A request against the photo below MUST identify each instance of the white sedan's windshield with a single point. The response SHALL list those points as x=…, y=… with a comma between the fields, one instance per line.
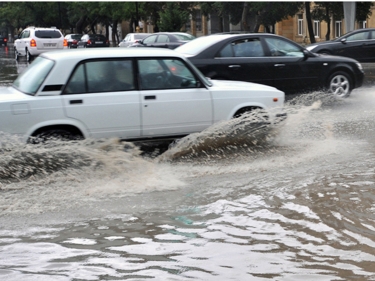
x=30, y=80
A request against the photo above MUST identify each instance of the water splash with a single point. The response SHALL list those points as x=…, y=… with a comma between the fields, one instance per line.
x=22, y=161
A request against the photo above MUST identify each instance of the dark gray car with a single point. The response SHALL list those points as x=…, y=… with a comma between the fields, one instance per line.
x=358, y=44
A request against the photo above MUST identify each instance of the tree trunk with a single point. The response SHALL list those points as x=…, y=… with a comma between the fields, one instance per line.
x=309, y=23
x=244, y=17
x=79, y=25
x=114, y=33
x=328, y=34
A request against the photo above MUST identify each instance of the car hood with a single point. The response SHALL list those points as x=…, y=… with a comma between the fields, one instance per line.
x=317, y=44
x=241, y=85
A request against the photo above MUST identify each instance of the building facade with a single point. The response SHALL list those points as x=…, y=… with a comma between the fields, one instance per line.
x=293, y=28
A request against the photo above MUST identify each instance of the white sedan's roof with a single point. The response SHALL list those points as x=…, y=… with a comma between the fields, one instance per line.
x=90, y=53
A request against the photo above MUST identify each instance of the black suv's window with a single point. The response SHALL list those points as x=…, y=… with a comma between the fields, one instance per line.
x=280, y=48
x=248, y=47
x=98, y=37
x=358, y=36
x=47, y=34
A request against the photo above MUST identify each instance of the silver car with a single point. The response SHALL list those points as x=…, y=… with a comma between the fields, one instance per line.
x=132, y=38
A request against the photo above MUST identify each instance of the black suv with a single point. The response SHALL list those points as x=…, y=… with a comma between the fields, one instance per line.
x=272, y=60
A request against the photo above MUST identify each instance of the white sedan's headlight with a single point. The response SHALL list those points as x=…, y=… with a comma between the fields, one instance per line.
x=310, y=48
x=359, y=65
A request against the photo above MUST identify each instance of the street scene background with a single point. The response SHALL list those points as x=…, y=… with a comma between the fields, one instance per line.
x=292, y=202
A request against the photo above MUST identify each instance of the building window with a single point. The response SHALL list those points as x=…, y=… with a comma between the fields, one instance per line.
x=300, y=25
x=362, y=24
x=316, y=28
x=337, y=29
x=198, y=20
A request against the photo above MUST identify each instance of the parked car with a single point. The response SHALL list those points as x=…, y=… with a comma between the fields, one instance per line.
x=72, y=40
x=272, y=60
x=3, y=40
x=358, y=44
x=170, y=40
x=132, y=38
x=132, y=95
x=34, y=41
x=93, y=40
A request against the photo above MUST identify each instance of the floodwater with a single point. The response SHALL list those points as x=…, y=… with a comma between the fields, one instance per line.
x=292, y=202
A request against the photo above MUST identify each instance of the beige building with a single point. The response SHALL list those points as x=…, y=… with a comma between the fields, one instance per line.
x=294, y=28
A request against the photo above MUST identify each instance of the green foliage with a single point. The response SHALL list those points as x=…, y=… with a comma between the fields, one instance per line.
x=270, y=13
x=173, y=17
x=323, y=11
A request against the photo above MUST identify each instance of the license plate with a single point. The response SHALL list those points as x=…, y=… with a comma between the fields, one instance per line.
x=99, y=42
x=49, y=45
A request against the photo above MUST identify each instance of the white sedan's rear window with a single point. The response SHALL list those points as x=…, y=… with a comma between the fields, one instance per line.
x=30, y=80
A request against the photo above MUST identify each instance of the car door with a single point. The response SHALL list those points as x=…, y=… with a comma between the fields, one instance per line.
x=102, y=95
x=370, y=48
x=293, y=71
x=162, y=41
x=149, y=41
x=173, y=99
x=245, y=60
x=21, y=42
x=355, y=46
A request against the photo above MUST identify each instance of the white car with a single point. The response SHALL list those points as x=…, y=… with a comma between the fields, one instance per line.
x=132, y=38
x=139, y=93
x=36, y=40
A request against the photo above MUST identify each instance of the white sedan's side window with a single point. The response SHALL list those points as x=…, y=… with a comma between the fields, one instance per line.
x=102, y=76
x=165, y=74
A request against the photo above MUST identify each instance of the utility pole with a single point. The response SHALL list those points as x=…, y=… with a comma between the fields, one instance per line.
x=349, y=15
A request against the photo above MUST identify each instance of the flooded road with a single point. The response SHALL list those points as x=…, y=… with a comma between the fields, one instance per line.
x=293, y=202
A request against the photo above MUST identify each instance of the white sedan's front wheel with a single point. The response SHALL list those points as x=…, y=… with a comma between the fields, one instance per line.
x=340, y=84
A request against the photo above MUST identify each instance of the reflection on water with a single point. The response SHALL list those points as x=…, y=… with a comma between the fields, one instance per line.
x=290, y=202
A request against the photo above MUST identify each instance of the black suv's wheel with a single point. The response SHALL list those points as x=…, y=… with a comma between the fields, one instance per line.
x=340, y=84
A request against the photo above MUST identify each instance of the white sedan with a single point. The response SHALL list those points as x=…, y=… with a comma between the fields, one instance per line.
x=132, y=94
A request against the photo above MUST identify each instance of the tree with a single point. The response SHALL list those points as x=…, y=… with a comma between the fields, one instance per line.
x=253, y=14
x=309, y=22
x=325, y=11
x=173, y=17
x=269, y=13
